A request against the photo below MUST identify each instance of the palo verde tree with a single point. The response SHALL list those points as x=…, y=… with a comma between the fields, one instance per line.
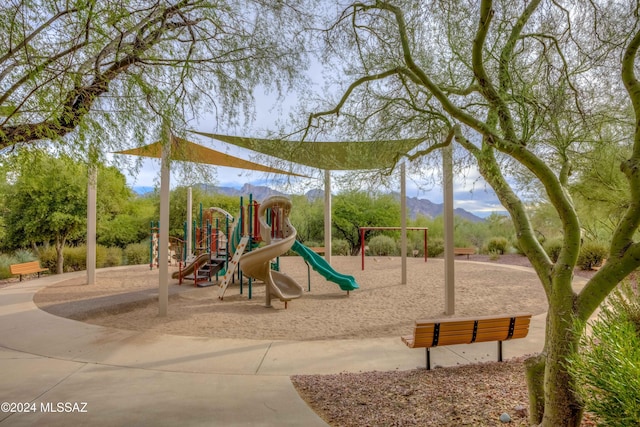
x=109, y=71
x=46, y=202
x=521, y=89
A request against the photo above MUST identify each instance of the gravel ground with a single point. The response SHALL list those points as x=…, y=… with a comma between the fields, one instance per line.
x=471, y=395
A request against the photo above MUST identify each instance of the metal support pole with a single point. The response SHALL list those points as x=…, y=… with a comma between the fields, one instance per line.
x=447, y=165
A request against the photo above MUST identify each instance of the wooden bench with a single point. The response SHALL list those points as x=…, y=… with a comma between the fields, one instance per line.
x=317, y=249
x=437, y=333
x=464, y=251
x=27, y=268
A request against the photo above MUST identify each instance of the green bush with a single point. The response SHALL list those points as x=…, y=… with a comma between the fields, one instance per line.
x=136, y=253
x=5, y=262
x=24, y=255
x=340, y=247
x=497, y=245
x=435, y=247
x=48, y=258
x=516, y=247
x=75, y=258
x=591, y=254
x=113, y=257
x=552, y=248
x=606, y=366
x=382, y=245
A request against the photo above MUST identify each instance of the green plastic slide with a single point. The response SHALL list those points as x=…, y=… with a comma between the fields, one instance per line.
x=319, y=264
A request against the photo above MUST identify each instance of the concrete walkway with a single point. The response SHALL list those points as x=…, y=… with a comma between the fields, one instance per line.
x=58, y=372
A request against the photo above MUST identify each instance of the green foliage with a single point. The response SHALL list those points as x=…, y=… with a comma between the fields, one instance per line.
x=516, y=246
x=308, y=218
x=5, y=262
x=15, y=258
x=552, y=248
x=340, y=247
x=48, y=258
x=144, y=65
x=435, y=247
x=382, y=245
x=601, y=192
x=591, y=254
x=137, y=253
x=498, y=245
x=606, y=366
x=24, y=255
x=355, y=209
x=113, y=257
x=75, y=257
x=47, y=202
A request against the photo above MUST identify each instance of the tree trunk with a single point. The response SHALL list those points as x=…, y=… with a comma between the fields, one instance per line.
x=535, y=367
x=561, y=406
x=60, y=255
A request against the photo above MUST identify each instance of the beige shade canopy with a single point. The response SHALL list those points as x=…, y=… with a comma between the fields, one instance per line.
x=188, y=151
x=353, y=155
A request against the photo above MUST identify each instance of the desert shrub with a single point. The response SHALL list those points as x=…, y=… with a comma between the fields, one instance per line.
x=435, y=247
x=552, y=248
x=24, y=255
x=113, y=257
x=5, y=262
x=340, y=247
x=498, y=245
x=136, y=253
x=48, y=258
x=75, y=258
x=516, y=247
x=17, y=257
x=382, y=245
x=591, y=254
x=606, y=365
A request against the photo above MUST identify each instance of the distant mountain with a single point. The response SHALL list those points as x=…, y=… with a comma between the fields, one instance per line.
x=429, y=209
x=259, y=192
x=141, y=190
x=415, y=206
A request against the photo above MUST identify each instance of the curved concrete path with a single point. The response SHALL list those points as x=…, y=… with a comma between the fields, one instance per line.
x=62, y=371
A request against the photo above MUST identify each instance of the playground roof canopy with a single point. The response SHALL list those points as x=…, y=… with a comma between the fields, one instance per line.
x=188, y=151
x=360, y=155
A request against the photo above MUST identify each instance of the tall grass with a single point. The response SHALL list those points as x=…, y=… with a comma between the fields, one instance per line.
x=606, y=366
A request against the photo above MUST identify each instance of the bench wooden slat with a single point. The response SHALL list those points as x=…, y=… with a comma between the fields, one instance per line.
x=27, y=268
x=464, y=251
x=467, y=331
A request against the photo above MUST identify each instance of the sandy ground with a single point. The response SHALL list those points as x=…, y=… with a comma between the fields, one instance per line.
x=126, y=298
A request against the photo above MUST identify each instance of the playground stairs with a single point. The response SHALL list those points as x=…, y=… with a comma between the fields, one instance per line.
x=203, y=276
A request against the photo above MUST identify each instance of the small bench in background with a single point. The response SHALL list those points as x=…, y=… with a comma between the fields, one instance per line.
x=437, y=333
x=23, y=268
x=464, y=251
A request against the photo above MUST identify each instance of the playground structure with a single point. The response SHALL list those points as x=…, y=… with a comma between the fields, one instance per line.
x=229, y=247
x=280, y=236
x=176, y=247
x=215, y=239
x=362, y=240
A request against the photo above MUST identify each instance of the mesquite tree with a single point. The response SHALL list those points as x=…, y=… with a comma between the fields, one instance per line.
x=523, y=89
x=110, y=70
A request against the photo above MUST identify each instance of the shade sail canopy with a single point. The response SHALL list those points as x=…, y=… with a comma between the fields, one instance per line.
x=360, y=155
x=188, y=151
